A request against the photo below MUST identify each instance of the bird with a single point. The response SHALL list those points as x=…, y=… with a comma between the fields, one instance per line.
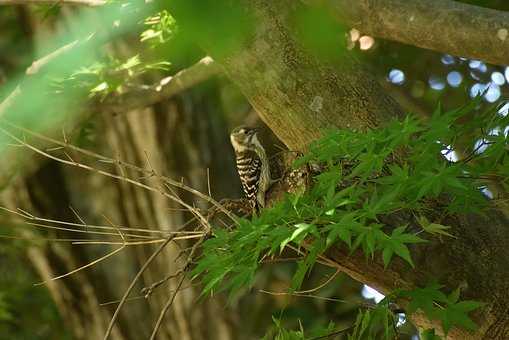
x=252, y=165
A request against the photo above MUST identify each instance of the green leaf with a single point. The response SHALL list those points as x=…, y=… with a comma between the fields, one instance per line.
x=306, y=264
x=429, y=334
x=386, y=256
x=301, y=231
x=365, y=323
x=454, y=296
x=342, y=231
x=396, y=244
x=436, y=305
x=402, y=251
x=453, y=316
x=424, y=299
x=469, y=305
x=434, y=228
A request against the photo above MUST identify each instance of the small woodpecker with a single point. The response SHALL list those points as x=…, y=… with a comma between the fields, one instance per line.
x=252, y=165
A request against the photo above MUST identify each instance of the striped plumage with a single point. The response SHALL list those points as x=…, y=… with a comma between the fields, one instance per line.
x=252, y=165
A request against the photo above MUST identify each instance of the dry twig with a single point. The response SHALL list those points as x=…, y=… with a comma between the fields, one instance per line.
x=170, y=300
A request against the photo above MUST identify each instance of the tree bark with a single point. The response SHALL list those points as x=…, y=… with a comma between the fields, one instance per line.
x=298, y=95
x=444, y=26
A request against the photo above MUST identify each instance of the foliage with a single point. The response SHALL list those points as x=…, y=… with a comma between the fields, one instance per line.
x=103, y=78
x=381, y=322
x=438, y=306
x=283, y=334
x=377, y=323
x=162, y=27
x=279, y=332
x=365, y=177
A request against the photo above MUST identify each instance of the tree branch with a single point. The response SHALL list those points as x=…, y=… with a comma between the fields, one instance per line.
x=164, y=89
x=33, y=69
x=444, y=26
x=441, y=25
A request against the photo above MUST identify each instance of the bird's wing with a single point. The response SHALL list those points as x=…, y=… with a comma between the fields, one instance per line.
x=249, y=166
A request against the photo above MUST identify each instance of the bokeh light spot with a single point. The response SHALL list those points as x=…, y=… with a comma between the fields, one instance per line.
x=474, y=63
x=366, y=42
x=354, y=34
x=447, y=59
x=493, y=93
x=454, y=78
x=498, y=78
x=436, y=83
x=396, y=77
x=477, y=89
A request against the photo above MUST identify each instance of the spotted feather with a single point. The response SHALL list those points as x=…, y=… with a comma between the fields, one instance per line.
x=249, y=169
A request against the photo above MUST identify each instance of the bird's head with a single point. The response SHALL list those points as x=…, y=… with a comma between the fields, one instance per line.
x=243, y=138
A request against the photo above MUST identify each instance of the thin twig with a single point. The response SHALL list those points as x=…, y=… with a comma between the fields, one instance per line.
x=334, y=333
x=82, y=267
x=29, y=216
x=42, y=239
x=109, y=174
x=168, y=180
x=88, y=264
x=147, y=291
x=170, y=300
x=78, y=216
x=131, y=286
x=317, y=297
x=325, y=283
x=159, y=240
x=139, y=297
x=127, y=243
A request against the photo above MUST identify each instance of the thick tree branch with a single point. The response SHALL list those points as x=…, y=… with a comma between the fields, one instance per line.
x=164, y=89
x=36, y=66
x=441, y=25
x=134, y=99
x=298, y=95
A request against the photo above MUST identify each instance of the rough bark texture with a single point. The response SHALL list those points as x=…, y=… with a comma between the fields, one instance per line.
x=294, y=92
x=441, y=25
x=297, y=95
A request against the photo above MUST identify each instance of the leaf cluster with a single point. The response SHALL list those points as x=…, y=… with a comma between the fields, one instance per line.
x=365, y=178
x=439, y=306
x=161, y=28
x=106, y=77
x=381, y=322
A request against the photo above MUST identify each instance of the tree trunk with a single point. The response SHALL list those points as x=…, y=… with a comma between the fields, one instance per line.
x=298, y=95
